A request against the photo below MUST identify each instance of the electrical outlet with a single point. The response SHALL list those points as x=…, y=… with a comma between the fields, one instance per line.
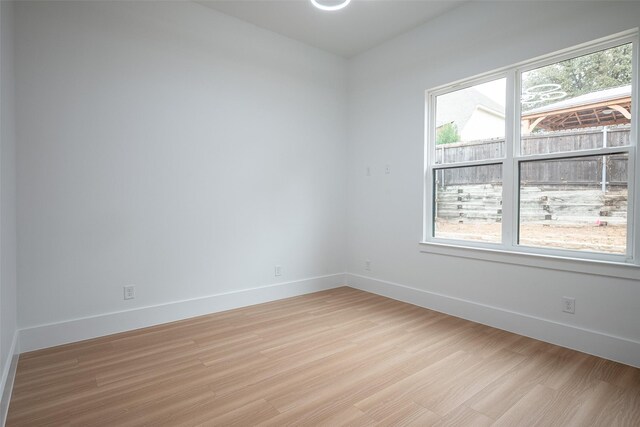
x=367, y=265
x=387, y=169
x=569, y=305
x=277, y=270
x=129, y=292
x=368, y=171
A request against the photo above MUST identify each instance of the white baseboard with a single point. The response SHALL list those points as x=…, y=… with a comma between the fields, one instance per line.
x=593, y=342
x=610, y=347
x=43, y=336
x=8, y=375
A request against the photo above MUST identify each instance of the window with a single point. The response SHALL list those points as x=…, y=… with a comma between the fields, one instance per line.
x=539, y=157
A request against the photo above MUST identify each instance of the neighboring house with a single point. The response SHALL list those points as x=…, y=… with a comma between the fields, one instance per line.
x=475, y=115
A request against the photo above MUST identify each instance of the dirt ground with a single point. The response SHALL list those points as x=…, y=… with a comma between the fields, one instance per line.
x=608, y=239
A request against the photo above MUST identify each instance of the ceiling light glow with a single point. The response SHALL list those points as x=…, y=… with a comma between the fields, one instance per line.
x=332, y=7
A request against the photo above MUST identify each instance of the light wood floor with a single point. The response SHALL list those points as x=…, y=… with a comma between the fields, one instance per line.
x=340, y=357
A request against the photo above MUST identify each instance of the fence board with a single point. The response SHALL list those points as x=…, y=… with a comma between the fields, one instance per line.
x=586, y=171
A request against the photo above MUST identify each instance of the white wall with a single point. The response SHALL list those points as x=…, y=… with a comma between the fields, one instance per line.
x=177, y=149
x=165, y=145
x=386, y=126
x=7, y=202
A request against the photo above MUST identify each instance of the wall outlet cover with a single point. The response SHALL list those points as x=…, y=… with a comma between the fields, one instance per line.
x=569, y=305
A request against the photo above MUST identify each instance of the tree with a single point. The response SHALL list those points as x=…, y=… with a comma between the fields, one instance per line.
x=447, y=133
x=589, y=73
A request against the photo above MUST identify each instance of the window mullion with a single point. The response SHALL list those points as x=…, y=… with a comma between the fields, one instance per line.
x=509, y=194
x=633, y=213
x=467, y=164
x=633, y=191
x=570, y=154
x=430, y=161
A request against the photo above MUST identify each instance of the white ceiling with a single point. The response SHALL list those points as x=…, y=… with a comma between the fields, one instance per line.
x=362, y=25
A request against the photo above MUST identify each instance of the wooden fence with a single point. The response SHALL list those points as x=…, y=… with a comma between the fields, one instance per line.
x=579, y=171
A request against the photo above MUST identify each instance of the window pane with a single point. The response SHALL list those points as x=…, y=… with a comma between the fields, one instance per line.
x=468, y=203
x=470, y=123
x=578, y=104
x=577, y=203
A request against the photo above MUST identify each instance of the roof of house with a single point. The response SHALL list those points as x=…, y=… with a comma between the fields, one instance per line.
x=460, y=105
x=586, y=99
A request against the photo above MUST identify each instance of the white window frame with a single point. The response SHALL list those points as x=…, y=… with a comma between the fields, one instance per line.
x=512, y=159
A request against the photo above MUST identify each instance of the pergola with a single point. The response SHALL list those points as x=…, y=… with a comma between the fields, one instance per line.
x=602, y=108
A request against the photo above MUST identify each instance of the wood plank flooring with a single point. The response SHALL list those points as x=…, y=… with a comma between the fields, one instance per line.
x=339, y=357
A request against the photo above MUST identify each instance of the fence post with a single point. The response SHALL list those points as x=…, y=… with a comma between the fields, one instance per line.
x=605, y=136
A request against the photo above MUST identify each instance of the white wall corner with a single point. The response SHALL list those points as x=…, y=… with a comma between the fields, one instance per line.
x=8, y=376
x=597, y=343
x=53, y=334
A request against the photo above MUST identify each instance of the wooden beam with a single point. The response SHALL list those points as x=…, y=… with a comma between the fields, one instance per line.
x=597, y=115
x=536, y=123
x=621, y=110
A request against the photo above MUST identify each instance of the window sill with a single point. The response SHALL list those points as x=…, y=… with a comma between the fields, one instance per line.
x=549, y=262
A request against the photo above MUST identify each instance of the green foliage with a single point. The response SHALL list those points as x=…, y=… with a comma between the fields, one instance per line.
x=590, y=73
x=447, y=134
